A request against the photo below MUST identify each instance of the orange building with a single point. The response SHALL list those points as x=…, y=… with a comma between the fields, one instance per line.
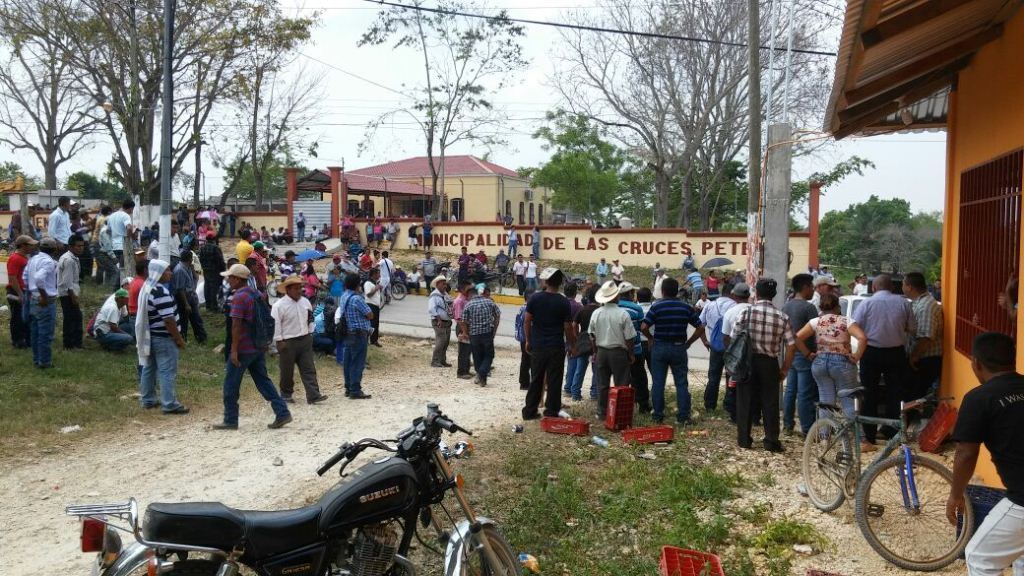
x=958, y=65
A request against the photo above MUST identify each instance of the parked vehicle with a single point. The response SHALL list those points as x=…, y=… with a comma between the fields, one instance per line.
x=362, y=526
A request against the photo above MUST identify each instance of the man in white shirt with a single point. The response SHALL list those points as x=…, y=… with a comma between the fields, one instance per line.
x=617, y=271
x=58, y=226
x=519, y=271
x=387, y=274
x=531, y=273
x=373, y=293
x=41, y=285
x=293, y=337
x=68, y=290
x=107, y=326
x=741, y=295
x=121, y=231
x=659, y=277
x=713, y=319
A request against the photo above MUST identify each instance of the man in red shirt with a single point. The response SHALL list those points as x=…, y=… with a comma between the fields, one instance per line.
x=135, y=286
x=25, y=245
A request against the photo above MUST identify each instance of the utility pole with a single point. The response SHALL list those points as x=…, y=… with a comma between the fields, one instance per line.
x=166, y=134
x=776, y=209
x=754, y=150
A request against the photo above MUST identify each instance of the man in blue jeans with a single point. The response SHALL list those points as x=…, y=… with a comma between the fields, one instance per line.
x=41, y=287
x=245, y=355
x=156, y=331
x=670, y=317
x=351, y=352
x=801, y=391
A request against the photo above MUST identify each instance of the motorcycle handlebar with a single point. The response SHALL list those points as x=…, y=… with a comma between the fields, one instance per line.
x=330, y=463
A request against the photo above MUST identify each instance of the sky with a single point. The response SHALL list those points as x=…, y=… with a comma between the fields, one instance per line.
x=359, y=83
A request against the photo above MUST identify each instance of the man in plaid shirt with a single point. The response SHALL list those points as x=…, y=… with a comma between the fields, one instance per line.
x=925, y=343
x=481, y=316
x=770, y=335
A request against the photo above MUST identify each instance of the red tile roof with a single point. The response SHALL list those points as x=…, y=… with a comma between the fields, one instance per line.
x=417, y=167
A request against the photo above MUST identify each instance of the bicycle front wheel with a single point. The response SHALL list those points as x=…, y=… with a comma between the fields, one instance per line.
x=398, y=291
x=828, y=457
x=913, y=538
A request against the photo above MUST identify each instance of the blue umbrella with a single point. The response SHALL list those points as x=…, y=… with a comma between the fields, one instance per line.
x=309, y=254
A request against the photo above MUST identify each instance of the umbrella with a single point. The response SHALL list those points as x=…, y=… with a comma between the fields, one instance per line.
x=717, y=263
x=309, y=254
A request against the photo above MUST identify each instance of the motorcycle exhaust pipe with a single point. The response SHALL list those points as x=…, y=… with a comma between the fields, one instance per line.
x=228, y=568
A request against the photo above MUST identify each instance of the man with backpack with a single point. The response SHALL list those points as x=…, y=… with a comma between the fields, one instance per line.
x=252, y=331
x=712, y=317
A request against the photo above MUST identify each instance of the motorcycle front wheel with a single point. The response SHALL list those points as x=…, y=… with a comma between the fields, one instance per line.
x=475, y=563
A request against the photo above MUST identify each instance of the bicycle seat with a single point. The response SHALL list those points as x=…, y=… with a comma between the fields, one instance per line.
x=850, y=392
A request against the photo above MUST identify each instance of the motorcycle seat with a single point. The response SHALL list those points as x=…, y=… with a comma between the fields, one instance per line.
x=214, y=525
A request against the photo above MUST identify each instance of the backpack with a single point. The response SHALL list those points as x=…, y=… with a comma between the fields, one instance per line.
x=261, y=329
x=740, y=353
x=341, y=328
x=90, y=327
x=717, y=339
x=520, y=319
x=328, y=313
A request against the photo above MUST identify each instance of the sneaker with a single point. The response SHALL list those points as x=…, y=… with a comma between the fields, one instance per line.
x=318, y=399
x=279, y=422
x=224, y=426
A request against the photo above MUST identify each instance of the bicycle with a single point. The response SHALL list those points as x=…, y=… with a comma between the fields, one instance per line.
x=899, y=501
x=398, y=290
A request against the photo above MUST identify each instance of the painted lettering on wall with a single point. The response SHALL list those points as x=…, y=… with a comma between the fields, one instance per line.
x=597, y=244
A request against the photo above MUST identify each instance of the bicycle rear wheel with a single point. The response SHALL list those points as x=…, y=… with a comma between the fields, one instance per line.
x=913, y=539
x=828, y=457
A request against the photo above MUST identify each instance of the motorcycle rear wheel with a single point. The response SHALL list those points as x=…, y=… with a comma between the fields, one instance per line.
x=476, y=563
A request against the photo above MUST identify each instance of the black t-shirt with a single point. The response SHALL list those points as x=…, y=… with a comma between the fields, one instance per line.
x=993, y=414
x=550, y=312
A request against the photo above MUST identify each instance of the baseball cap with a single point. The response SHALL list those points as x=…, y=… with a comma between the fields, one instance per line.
x=626, y=287
x=257, y=244
x=238, y=271
x=741, y=290
x=24, y=240
x=549, y=272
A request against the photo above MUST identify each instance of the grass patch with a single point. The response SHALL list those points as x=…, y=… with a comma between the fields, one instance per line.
x=93, y=388
x=582, y=509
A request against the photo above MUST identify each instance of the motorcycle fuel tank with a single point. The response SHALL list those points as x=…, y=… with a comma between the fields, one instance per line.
x=377, y=491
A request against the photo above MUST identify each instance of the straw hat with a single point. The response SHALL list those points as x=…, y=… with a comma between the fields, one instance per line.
x=433, y=283
x=289, y=281
x=608, y=292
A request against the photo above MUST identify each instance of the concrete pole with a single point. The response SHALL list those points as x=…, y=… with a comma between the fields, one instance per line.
x=776, y=213
x=166, y=136
x=754, y=150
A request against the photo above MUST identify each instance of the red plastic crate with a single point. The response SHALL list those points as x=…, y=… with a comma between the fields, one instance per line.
x=683, y=562
x=649, y=434
x=619, y=415
x=939, y=428
x=565, y=426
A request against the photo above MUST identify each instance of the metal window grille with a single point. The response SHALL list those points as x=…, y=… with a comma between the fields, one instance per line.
x=989, y=249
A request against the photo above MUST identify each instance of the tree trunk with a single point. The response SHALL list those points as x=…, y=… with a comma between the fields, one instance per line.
x=50, y=169
x=662, y=189
x=199, y=173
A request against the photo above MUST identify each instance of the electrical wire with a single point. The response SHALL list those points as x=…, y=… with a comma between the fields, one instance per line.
x=598, y=29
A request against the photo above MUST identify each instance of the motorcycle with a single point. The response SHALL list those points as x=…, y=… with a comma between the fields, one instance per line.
x=363, y=526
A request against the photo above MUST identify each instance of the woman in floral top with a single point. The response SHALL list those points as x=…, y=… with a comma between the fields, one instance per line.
x=834, y=365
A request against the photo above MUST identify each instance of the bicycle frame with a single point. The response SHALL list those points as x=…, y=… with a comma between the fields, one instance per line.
x=908, y=486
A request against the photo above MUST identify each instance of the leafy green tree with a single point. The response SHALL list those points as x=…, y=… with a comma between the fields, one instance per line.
x=11, y=170
x=89, y=186
x=584, y=170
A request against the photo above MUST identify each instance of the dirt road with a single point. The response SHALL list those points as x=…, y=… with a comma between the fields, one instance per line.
x=161, y=458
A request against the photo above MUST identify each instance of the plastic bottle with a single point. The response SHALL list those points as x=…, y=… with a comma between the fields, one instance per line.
x=598, y=441
x=529, y=563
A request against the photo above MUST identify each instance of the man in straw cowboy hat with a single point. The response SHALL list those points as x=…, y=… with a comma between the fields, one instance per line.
x=245, y=356
x=612, y=335
x=440, y=310
x=293, y=337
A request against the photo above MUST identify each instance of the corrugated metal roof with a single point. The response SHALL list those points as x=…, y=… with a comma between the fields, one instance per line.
x=929, y=115
x=320, y=181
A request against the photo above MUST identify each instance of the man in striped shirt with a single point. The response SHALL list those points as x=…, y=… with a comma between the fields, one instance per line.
x=925, y=343
x=770, y=334
x=164, y=346
x=669, y=317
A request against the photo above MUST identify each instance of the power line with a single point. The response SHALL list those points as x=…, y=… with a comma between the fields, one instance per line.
x=593, y=28
x=353, y=74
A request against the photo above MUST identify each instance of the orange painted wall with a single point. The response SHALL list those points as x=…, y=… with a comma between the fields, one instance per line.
x=986, y=121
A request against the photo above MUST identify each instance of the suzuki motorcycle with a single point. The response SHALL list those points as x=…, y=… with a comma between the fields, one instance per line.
x=363, y=526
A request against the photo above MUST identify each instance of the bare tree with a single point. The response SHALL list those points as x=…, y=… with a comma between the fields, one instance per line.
x=464, y=60
x=40, y=109
x=680, y=105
